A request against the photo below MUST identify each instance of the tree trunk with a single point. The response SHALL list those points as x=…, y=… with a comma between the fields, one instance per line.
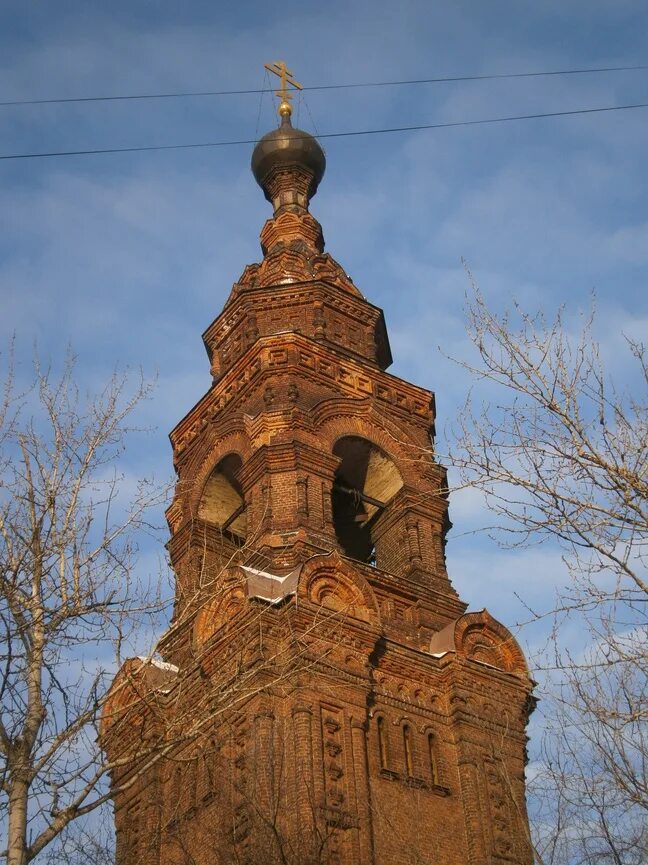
x=17, y=830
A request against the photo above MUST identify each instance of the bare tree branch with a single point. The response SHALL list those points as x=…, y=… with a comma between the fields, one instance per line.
x=561, y=455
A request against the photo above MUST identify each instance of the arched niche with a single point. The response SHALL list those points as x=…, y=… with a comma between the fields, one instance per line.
x=221, y=502
x=365, y=482
x=333, y=582
x=136, y=699
x=218, y=612
x=479, y=637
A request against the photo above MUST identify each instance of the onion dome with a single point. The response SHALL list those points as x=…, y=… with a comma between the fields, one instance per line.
x=288, y=165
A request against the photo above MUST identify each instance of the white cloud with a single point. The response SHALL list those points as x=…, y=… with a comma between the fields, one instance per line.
x=629, y=244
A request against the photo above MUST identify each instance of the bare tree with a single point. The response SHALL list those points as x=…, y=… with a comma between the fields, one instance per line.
x=561, y=455
x=69, y=595
x=90, y=840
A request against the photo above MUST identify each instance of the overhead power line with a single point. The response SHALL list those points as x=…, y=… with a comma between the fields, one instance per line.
x=343, y=86
x=417, y=128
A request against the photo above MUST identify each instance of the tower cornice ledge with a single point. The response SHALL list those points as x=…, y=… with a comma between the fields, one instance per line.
x=271, y=355
x=314, y=307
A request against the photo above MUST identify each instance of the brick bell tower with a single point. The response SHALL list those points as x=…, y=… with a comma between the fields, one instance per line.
x=324, y=697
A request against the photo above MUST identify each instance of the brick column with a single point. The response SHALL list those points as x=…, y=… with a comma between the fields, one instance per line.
x=263, y=759
x=414, y=541
x=303, y=752
x=473, y=813
x=363, y=791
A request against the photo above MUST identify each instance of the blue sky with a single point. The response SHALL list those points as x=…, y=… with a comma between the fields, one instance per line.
x=128, y=257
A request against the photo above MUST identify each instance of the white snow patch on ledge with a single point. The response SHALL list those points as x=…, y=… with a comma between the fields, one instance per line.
x=161, y=665
x=271, y=588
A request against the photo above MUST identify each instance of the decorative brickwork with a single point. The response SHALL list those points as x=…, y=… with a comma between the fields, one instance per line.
x=323, y=696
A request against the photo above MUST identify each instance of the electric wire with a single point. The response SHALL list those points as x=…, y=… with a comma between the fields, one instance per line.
x=314, y=87
x=258, y=122
x=349, y=134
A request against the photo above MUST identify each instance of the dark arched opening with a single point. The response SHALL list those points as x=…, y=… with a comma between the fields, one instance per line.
x=383, y=752
x=365, y=481
x=408, y=750
x=434, y=772
x=222, y=501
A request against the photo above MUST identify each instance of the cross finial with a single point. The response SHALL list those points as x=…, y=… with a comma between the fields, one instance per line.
x=284, y=74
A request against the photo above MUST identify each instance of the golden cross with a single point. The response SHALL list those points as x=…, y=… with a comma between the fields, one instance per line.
x=284, y=74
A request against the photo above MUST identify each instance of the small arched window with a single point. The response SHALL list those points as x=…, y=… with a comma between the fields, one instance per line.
x=190, y=781
x=434, y=772
x=383, y=752
x=174, y=800
x=407, y=747
x=207, y=770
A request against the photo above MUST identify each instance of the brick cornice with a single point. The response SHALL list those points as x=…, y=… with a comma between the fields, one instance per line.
x=273, y=355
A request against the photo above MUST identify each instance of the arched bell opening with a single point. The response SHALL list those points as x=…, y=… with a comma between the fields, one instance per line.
x=365, y=481
x=222, y=502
